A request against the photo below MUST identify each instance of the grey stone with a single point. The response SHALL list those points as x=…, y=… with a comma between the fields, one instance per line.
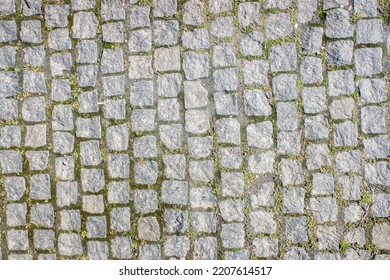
x=314, y=99
x=233, y=235
x=96, y=227
x=228, y=131
x=242, y=254
x=342, y=108
x=296, y=229
x=88, y=127
x=141, y=94
x=149, y=252
x=311, y=70
x=167, y=59
x=232, y=183
x=348, y=161
x=69, y=244
x=262, y=195
x=90, y=153
x=222, y=27
x=146, y=172
x=33, y=109
x=60, y=63
x=60, y=90
x=118, y=192
x=112, y=10
x=114, y=109
x=43, y=239
x=357, y=254
x=87, y=75
x=381, y=236
x=31, y=7
x=265, y=247
x=42, y=215
x=224, y=55
x=56, y=15
x=232, y=210
x=205, y=248
x=113, y=32
x=230, y=157
x=10, y=162
x=93, y=204
x=197, y=121
x=63, y=142
x=340, y=52
x=70, y=220
x=377, y=147
x=334, y=3
x=368, y=61
x=112, y=61
x=171, y=136
x=380, y=205
x=164, y=8
x=280, y=4
x=204, y=222
x=202, y=197
x=86, y=51
x=62, y=116
x=97, y=250
x=382, y=257
x=117, y=137
x=66, y=193
x=9, y=85
x=195, y=65
x=33, y=82
x=317, y=156
x=307, y=11
x=328, y=238
x=8, y=7
x=140, y=40
x=341, y=82
x=148, y=229
x=278, y=25
x=8, y=31
x=296, y=253
x=59, y=40
x=176, y=246
x=88, y=101
x=168, y=110
x=355, y=236
x=324, y=209
x=120, y=219
x=7, y=57
x=285, y=87
x=14, y=187
x=140, y=67
x=9, y=109
x=294, y=200
x=20, y=257
x=83, y=4
x=259, y=135
x=366, y=8
x=200, y=147
x=338, y=24
x=283, y=57
x=311, y=40
x=256, y=103
x=286, y=113
x=84, y=25
x=145, y=201
x=192, y=12
x=114, y=85
x=196, y=39
x=345, y=134
x=176, y=221
x=373, y=119
x=40, y=188
x=262, y=221
x=202, y=170
x=10, y=136
x=17, y=240
x=165, y=32
x=31, y=31
x=255, y=72
x=316, y=127
x=350, y=187
x=372, y=90
x=323, y=184
x=251, y=44
x=195, y=95
x=169, y=85
x=225, y=79
x=219, y=6
x=248, y=14
x=121, y=247
x=64, y=168
x=175, y=166
x=92, y=180
x=289, y=142
x=139, y=16
x=369, y=31
x=353, y=213
x=16, y=214
x=262, y=163
x=143, y=120
x=118, y=166
x=377, y=173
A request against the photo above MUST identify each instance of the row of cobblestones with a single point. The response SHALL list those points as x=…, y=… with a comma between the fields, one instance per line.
x=219, y=129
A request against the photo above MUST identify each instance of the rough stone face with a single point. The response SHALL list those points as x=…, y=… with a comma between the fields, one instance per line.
x=222, y=27
x=296, y=229
x=314, y=99
x=195, y=65
x=340, y=52
x=338, y=24
x=380, y=236
x=342, y=108
x=324, y=209
x=176, y=246
x=372, y=90
x=262, y=221
x=233, y=235
x=202, y=197
x=316, y=127
x=345, y=134
x=202, y=170
x=262, y=163
x=232, y=210
x=368, y=61
x=311, y=70
x=377, y=147
x=59, y=40
x=176, y=221
x=148, y=229
x=145, y=173
x=166, y=32
x=369, y=31
x=293, y=200
x=256, y=103
x=341, y=82
x=259, y=135
x=204, y=222
x=145, y=201
x=283, y=57
x=286, y=114
x=317, y=155
x=373, y=119
x=196, y=39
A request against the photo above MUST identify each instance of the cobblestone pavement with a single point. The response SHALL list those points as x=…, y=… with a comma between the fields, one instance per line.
x=219, y=129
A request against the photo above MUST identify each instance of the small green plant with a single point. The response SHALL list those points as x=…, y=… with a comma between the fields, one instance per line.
x=343, y=246
x=366, y=198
